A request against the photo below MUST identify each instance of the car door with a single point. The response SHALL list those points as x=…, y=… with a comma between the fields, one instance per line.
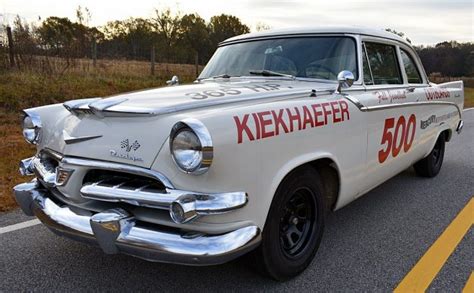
x=391, y=111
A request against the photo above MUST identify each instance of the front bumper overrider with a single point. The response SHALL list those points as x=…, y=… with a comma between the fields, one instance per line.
x=117, y=231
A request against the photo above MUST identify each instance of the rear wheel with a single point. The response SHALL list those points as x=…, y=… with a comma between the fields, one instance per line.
x=430, y=166
x=294, y=225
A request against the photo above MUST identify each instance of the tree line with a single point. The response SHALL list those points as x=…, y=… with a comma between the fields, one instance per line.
x=171, y=38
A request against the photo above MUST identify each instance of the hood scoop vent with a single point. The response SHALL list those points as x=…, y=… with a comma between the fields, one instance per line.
x=105, y=108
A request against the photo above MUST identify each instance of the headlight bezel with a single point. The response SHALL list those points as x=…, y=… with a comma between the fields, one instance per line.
x=31, y=127
x=206, y=147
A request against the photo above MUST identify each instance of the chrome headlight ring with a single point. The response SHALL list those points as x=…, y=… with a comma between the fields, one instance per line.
x=31, y=125
x=191, y=146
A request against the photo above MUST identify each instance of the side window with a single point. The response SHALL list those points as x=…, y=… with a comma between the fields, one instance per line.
x=383, y=64
x=410, y=68
x=365, y=64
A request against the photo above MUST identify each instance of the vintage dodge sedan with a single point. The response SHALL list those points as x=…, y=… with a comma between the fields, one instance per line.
x=280, y=128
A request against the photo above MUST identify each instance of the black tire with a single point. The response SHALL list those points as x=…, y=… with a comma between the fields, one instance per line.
x=288, y=245
x=430, y=166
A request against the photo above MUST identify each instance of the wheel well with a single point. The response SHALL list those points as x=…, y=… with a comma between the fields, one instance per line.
x=448, y=133
x=329, y=173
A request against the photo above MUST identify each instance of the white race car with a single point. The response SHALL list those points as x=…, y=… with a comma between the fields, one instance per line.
x=280, y=128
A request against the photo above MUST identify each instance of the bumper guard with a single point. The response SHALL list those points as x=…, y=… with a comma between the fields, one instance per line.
x=116, y=231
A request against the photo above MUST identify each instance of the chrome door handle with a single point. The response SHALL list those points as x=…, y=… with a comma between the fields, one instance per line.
x=410, y=89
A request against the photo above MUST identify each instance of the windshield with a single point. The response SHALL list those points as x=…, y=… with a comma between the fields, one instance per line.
x=309, y=57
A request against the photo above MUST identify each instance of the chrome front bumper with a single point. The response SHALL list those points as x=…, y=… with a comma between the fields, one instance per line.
x=116, y=231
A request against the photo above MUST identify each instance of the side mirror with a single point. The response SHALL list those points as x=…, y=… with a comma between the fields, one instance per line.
x=345, y=79
x=173, y=81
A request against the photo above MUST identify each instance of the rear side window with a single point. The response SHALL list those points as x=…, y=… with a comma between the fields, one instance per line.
x=410, y=68
x=383, y=64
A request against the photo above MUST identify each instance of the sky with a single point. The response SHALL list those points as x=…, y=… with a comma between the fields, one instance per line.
x=424, y=22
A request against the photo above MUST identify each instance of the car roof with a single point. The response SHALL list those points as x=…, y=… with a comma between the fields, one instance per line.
x=318, y=30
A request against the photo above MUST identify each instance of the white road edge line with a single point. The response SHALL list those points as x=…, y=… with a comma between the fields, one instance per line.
x=468, y=109
x=19, y=226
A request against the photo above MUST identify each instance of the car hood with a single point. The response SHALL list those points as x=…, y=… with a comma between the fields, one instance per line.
x=180, y=98
x=131, y=128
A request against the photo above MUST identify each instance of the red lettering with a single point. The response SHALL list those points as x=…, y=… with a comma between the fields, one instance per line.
x=316, y=114
x=241, y=127
x=335, y=110
x=307, y=118
x=257, y=125
x=293, y=118
x=264, y=123
x=344, y=109
x=278, y=120
x=326, y=112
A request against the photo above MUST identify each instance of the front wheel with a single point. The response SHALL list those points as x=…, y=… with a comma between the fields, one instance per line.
x=294, y=225
x=430, y=166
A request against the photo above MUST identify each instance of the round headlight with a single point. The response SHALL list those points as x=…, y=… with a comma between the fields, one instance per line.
x=31, y=128
x=191, y=146
x=187, y=150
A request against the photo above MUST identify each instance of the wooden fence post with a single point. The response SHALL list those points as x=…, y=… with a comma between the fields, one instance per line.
x=152, y=61
x=94, y=52
x=11, y=51
x=196, y=63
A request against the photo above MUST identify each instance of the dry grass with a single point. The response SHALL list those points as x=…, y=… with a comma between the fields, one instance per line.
x=12, y=149
x=20, y=90
x=468, y=97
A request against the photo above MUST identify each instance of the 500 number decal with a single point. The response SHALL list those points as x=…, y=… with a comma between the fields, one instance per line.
x=397, y=136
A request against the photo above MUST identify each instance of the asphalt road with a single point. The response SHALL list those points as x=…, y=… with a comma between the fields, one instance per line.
x=369, y=245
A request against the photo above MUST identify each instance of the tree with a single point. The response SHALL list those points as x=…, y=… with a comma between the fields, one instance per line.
x=224, y=26
x=261, y=26
x=83, y=15
x=67, y=39
x=401, y=34
x=166, y=26
x=194, y=35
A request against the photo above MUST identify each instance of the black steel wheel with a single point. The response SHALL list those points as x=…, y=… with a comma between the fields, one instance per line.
x=294, y=225
x=431, y=164
x=297, y=221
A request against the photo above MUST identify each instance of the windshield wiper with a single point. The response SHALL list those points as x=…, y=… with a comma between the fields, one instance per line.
x=265, y=72
x=225, y=75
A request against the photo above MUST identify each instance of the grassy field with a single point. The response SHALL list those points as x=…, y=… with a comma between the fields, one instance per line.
x=468, y=97
x=20, y=90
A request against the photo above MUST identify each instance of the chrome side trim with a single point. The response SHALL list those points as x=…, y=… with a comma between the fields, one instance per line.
x=70, y=139
x=119, y=168
x=116, y=231
x=409, y=104
x=363, y=108
x=353, y=100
